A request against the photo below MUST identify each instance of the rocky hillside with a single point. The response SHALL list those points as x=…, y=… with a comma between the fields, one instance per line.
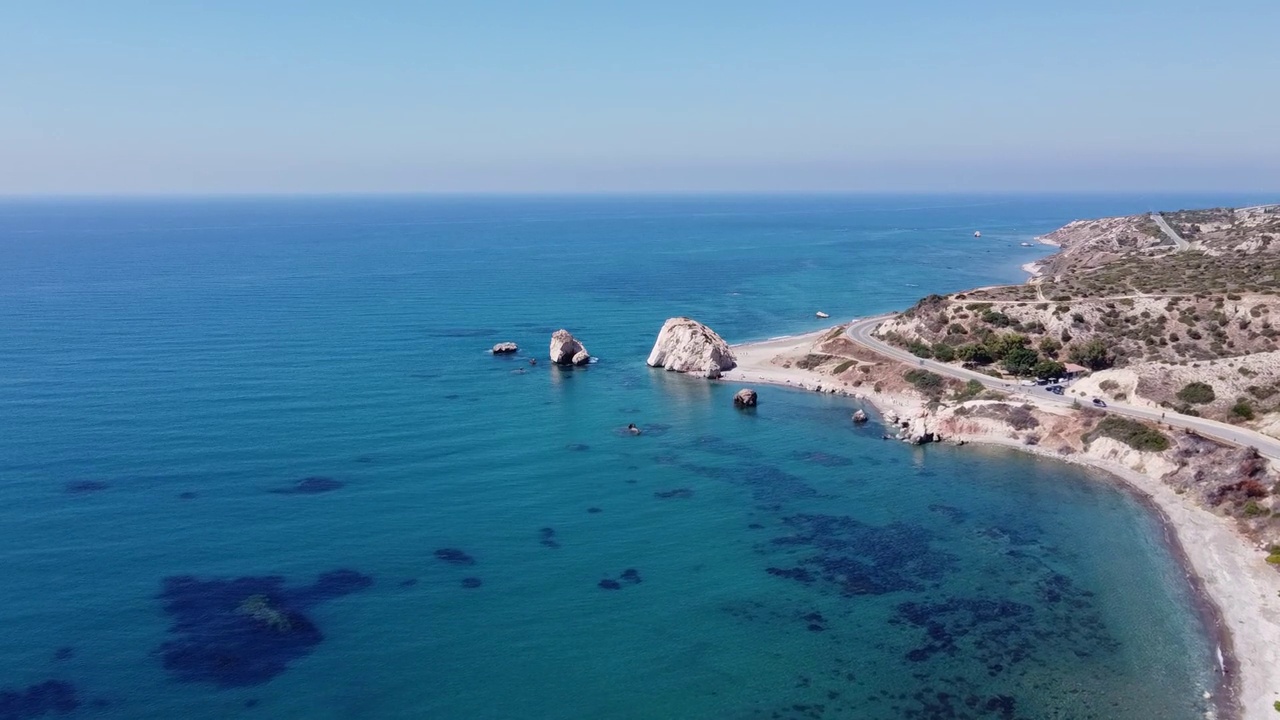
x=1119, y=295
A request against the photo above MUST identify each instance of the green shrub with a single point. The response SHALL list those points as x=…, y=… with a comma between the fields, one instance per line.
x=999, y=319
x=811, y=361
x=971, y=390
x=1197, y=393
x=843, y=366
x=920, y=349
x=1253, y=509
x=1130, y=432
x=944, y=352
x=926, y=382
x=1094, y=354
x=1021, y=360
x=1243, y=410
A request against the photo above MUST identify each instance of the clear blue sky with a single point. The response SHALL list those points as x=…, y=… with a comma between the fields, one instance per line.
x=924, y=95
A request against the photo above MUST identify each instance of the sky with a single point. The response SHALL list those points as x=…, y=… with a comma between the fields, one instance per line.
x=321, y=96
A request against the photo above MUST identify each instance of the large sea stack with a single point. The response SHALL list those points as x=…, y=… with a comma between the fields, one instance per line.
x=566, y=350
x=688, y=346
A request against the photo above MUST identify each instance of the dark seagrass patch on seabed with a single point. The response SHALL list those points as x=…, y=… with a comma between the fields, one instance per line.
x=767, y=483
x=454, y=556
x=824, y=459
x=547, y=538
x=84, y=487
x=719, y=446
x=244, y=631
x=310, y=486
x=862, y=559
x=43, y=698
x=681, y=493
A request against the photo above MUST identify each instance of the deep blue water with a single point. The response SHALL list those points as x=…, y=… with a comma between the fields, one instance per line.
x=170, y=370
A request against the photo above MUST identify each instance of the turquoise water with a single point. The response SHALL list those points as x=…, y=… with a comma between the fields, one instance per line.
x=170, y=370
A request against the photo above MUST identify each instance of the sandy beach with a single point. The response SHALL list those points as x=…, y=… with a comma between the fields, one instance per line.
x=1241, y=589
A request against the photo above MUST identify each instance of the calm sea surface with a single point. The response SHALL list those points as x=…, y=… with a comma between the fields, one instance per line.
x=255, y=461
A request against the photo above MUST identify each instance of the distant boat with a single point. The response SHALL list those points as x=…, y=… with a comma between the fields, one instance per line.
x=822, y=314
x=1026, y=244
x=977, y=233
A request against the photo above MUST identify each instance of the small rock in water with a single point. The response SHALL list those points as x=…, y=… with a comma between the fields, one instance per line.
x=454, y=556
x=859, y=416
x=505, y=348
x=566, y=350
x=744, y=398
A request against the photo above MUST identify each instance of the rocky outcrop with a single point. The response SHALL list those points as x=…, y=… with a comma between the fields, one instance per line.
x=566, y=350
x=505, y=348
x=744, y=398
x=917, y=432
x=859, y=416
x=688, y=346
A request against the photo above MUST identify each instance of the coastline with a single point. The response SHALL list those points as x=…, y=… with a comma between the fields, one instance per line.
x=1231, y=582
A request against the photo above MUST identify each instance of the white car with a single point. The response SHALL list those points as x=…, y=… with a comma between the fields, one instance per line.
x=1027, y=382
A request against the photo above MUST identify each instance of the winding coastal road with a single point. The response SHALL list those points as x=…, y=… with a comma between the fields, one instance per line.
x=860, y=332
x=1170, y=233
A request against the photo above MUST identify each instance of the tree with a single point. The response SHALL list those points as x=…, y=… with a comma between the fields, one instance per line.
x=1050, y=346
x=944, y=352
x=974, y=353
x=1094, y=354
x=1049, y=369
x=1001, y=345
x=1020, y=360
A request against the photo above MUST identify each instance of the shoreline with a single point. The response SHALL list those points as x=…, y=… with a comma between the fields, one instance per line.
x=1229, y=581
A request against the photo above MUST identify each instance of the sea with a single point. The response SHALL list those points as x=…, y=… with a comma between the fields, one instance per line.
x=257, y=461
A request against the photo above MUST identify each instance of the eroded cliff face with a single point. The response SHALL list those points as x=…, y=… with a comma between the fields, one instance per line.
x=686, y=345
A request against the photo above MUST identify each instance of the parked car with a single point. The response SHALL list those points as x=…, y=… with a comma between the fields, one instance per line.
x=1098, y=402
x=1027, y=382
x=1056, y=389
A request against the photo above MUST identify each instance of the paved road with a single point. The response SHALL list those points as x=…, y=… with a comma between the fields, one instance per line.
x=1169, y=232
x=859, y=331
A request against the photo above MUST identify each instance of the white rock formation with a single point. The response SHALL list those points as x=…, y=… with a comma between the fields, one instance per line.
x=565, y=348
x=859, y=416
x=688, y=346
x=505, y=348
x=581, y=358
x=746, y=397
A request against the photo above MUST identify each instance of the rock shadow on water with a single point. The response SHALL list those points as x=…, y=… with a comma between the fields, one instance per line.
x=244, y=631
x=84, y=487
x=314, y=485
x=51, y=697
x=862, y=559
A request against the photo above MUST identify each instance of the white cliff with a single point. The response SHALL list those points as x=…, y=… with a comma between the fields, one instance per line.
x=688, y=346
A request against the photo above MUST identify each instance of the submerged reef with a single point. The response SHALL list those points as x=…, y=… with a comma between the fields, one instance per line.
x=244, y=631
